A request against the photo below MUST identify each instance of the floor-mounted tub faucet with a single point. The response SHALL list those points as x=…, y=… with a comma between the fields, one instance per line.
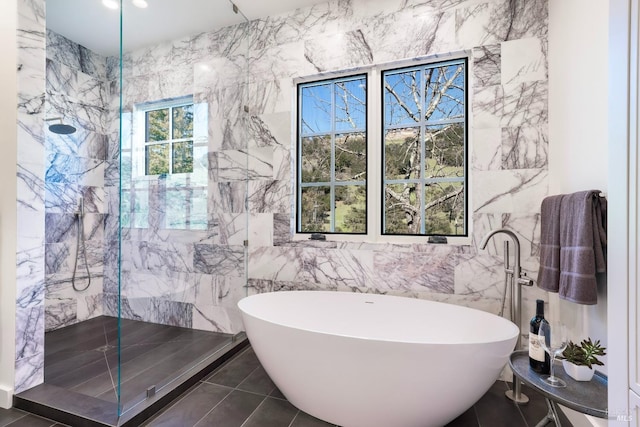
x=516, y=297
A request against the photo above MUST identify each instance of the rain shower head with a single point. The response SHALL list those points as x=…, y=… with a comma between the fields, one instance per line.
x=61, y=128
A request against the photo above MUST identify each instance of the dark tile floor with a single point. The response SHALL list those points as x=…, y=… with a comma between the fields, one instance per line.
x=240, y=393
x=17, y=418
x=83, y=358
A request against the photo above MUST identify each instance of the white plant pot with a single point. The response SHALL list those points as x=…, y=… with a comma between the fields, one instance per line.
x=578, y=372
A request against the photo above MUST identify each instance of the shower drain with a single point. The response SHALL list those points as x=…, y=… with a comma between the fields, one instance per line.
x=105, y=348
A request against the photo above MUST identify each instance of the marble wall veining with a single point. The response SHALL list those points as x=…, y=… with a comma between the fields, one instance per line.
x=255, y=64
x=249, y=184
x=506, y=42
x=29, y=360
x=77, y=91
x=194, y=277
x=186, y=274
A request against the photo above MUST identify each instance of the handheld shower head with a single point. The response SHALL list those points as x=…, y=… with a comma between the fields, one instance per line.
x=61, y=128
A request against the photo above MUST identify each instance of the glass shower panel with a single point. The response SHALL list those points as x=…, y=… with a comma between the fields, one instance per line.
x=81, y=180
x=146, y=201
x=183, y=191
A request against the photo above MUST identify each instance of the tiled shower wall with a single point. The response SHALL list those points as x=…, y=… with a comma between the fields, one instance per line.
x=186, y=277
x=195, y=277
x=77, y=91
x=189, y=278
x=31, y=194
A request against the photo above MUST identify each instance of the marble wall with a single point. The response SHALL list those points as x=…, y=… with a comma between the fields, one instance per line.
x=190, y=277
x=29, y=361
x=189, y=273
x=507, y=44
x=77, y=90
x=255, y=66
x=194, y=277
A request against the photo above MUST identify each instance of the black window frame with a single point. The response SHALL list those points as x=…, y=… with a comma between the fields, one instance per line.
x=332, y=183
x=435, y=64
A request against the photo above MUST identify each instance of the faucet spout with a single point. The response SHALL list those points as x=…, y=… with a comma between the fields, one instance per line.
x=516, y=242
x=515, y=311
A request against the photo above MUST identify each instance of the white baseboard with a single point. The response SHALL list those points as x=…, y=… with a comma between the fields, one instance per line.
x=6, y=397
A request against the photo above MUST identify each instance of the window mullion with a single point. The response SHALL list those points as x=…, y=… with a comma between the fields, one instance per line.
x=374, y=163
x=332, y=172
x=170, y=139
x=298, y=226
x=380, y=156
x=422, y=187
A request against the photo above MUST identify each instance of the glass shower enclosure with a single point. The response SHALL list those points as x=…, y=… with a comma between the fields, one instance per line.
x=152, y=197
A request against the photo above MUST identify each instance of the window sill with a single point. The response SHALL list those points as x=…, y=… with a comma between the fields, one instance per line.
x=334, y=241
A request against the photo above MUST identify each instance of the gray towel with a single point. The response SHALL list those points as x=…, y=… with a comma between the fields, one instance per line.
x=573, y=238
x=549, y=273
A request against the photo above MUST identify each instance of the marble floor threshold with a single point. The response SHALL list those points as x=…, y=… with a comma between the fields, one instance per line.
x=158, y=363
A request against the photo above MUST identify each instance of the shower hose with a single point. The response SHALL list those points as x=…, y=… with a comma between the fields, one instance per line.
x=80, y=239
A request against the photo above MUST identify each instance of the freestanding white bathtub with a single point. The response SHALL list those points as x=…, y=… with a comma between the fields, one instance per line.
x=364, y=360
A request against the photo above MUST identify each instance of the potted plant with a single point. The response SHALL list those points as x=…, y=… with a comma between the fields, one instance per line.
x=579, y=359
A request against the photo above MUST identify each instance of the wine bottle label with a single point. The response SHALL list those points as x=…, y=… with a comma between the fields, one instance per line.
x=536, y=351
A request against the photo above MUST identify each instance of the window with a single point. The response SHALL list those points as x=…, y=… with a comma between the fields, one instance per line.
x=424, y=114
x=332, y=162
x=165, y=165
x=169, y=138
x=416, y=158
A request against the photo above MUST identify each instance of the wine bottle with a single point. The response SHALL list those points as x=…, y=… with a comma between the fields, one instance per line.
x=539, y=360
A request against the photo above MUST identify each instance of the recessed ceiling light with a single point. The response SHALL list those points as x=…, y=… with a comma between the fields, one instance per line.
x=142, y=4
x=111, y=4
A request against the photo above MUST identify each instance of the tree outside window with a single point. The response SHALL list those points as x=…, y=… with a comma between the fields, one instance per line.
x=165, y=165
x=424, y=178
x=423, y=170
x=332, y=161
x=169, y=140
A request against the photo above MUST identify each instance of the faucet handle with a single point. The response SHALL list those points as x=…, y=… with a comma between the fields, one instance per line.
x=525, y=280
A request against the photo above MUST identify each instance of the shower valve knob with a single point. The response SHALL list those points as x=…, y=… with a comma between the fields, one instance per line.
x=525, y=280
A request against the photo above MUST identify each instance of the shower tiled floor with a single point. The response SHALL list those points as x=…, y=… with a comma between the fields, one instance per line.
x=81, y=367
x=84, y=357
x=241, y=394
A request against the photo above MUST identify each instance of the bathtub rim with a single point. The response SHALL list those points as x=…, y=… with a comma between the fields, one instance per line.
x=508, y=324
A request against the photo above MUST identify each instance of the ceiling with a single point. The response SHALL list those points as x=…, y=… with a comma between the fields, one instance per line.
x=97, y=28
